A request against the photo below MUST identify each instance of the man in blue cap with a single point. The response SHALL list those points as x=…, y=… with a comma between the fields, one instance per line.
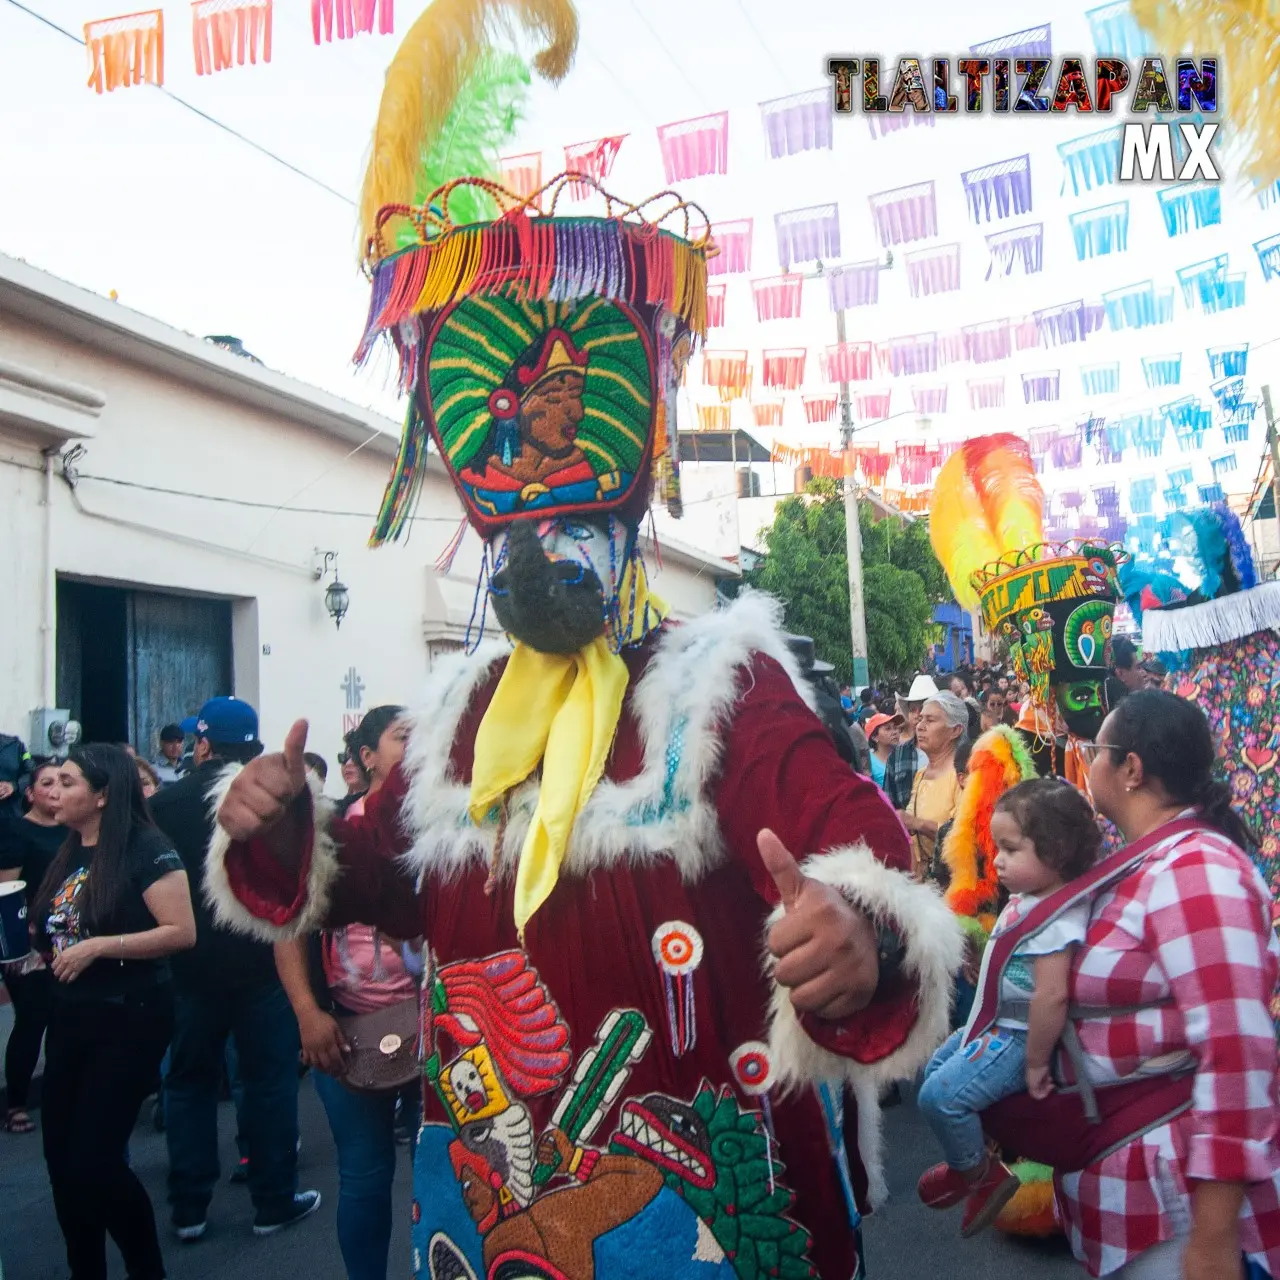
x=226, y=985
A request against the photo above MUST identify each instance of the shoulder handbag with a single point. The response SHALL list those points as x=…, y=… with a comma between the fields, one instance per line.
x=383, y=1047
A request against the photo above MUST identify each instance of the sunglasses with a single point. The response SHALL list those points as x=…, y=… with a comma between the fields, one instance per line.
x=1089, y=751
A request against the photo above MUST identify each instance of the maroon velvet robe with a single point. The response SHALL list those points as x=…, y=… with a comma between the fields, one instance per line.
x=591, y=949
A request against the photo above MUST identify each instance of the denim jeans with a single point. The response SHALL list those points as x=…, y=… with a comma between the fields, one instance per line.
x=363, y=1127
x=959, y=1083
x=232, y=1060
x=236, y=1085
x=266, y=1036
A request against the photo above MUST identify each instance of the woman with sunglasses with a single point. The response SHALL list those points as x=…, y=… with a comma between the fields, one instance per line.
x=1180, y=962
x=113, y=905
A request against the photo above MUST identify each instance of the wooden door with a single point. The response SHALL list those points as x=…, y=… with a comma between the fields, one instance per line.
x=180, y=650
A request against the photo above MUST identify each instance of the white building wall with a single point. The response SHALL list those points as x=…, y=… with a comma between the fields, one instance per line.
x=132, y=520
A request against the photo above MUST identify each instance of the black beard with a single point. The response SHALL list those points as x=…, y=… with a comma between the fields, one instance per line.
x=544, y=603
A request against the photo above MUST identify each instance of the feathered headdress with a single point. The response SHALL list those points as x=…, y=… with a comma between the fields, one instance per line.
x=1201, y=589
x=1247, y=36
x=450, y=98
x=999, y=760
x=986, y=504
x=1053, y=604
x=476, y=286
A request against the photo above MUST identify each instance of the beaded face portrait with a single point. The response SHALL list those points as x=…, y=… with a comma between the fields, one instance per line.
x=542, y=354
x=541, y=407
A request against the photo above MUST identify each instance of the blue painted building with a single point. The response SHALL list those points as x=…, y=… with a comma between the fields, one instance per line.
x=956, y=650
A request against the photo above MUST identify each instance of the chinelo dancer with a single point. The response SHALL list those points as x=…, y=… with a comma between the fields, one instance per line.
x=1051, y=603
x=602, y=826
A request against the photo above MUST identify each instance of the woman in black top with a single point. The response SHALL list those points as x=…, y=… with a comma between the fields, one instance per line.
x=113, y=905
x=27, y=847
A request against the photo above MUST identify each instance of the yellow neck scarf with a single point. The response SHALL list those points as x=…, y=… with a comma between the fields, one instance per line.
x=560, y=713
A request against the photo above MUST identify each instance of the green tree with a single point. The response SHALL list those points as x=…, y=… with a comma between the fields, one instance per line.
x=806, y=567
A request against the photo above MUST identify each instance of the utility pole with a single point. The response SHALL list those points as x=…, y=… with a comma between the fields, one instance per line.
x=852, y=530
x=1273, y=439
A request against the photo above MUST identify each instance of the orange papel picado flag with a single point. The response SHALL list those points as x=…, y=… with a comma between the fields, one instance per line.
x=125, y=51
x=226, y=32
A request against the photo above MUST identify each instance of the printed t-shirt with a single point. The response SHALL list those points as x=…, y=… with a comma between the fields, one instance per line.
x=148, y=858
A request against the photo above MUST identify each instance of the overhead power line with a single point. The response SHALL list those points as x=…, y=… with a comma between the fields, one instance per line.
x=204, y=115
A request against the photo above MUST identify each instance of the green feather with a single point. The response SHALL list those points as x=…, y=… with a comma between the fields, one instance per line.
x=482, y=123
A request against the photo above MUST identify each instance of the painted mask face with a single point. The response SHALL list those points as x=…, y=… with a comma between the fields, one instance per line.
x=1083, y=707
x=557, y=579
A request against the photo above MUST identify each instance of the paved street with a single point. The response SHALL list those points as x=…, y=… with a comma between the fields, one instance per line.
x=904, y=1242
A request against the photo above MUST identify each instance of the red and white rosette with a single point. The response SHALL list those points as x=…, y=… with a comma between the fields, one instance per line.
x=677, y=949
x=752, y=1068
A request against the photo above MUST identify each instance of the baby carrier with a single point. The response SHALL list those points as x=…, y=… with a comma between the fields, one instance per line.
x=1081, y=1122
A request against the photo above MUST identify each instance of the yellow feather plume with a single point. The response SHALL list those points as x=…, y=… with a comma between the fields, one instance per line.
x=433, y=62
x=1245, y=34
x=986, y=502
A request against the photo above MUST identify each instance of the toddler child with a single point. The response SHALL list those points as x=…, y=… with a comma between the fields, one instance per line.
x=1045, y=836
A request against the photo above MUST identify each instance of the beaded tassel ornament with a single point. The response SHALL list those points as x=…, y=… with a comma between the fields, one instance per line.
x=677, y=947
x=833, y=1114
x=752, y=1066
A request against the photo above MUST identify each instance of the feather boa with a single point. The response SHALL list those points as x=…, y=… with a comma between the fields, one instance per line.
x=1000, y=760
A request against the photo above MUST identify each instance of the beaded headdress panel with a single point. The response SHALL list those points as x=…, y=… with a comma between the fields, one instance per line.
x=542, y=354
x=1052, y=604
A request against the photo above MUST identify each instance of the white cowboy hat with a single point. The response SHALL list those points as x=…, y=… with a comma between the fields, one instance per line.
x=922, y=687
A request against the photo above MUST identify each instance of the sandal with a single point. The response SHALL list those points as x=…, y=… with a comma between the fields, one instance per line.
x=18, y=1121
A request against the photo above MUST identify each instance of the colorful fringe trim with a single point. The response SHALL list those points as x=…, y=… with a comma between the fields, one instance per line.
x=537, y=259
x=405, y=485
x=622, y=256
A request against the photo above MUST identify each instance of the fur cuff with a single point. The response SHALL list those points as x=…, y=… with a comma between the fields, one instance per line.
x=934, y=953
x=287, y=918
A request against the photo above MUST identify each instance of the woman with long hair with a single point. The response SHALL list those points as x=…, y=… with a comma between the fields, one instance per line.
x=27, y=847
x=339, y=975
x=1177, y=973
x=113, y=905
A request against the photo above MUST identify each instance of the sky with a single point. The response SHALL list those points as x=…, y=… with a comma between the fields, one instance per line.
x=134, y=193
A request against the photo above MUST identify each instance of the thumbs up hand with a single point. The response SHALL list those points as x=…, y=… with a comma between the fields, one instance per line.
x=826, y=950
x=263, y=790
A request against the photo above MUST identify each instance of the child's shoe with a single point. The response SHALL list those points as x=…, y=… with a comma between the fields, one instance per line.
x=941, y=1187
x=998, y=1186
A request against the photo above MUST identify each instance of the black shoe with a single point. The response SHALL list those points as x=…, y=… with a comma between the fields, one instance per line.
x=189, y=1225
x=305, y=1203
x=240, y=1174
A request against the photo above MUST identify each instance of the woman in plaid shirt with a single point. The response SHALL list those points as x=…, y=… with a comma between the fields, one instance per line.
x=1189, y=936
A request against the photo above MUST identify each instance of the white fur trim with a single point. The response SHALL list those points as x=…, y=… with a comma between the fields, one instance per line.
x=934, y=952
x=230, y=912
x=1202, y=626
x=682, y=704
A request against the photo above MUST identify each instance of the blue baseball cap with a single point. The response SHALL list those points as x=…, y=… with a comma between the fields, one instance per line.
x=224, y=720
